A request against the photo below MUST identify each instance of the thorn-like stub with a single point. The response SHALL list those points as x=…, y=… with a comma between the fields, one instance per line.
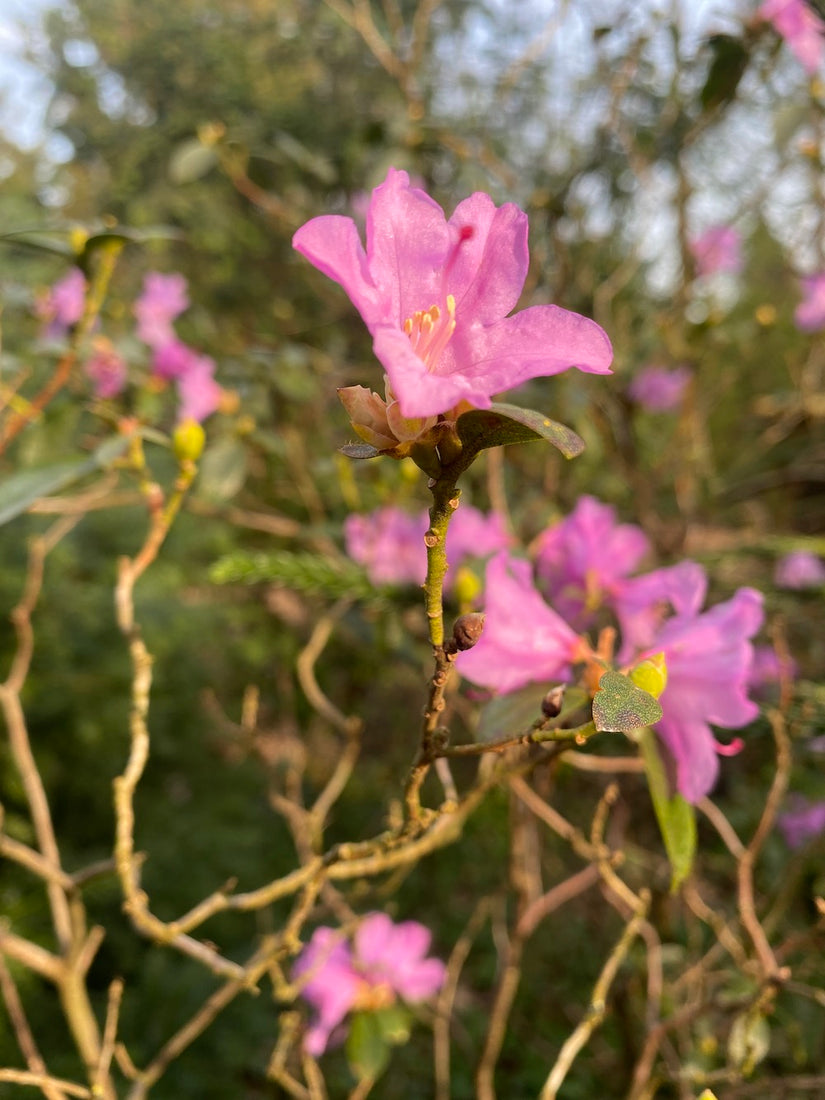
x=467, y=630
x=551, y=704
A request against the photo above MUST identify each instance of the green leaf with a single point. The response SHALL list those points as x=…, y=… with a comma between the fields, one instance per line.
x=730, y=60
x=620, y=707
x=395, y=1023
x=503, y=424
x=749, y=1041
x=191, y=160
x=512, y=713
x=222, y=469
x=676, y=816
x=302, y=571
x=359, y=450
x=368, y=1051
x=19, y=492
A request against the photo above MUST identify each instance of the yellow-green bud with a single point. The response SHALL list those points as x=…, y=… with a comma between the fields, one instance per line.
x=467, y=586
x=651, y=675
x=188, y=441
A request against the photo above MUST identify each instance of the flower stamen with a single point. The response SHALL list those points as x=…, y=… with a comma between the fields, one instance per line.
x=430, y=330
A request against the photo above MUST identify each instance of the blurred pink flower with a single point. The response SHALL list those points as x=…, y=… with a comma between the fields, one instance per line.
x=659, y=389
x=582, y=559
x=810, y=313
x=769, y=668
x=719, y=248
x=62, y=306
x=801, y=28
x=523, y=640
x=435, y=295
x=173, y=359
x=389, y=542
x=802, y=822
x=385, y=961
x=709, y=658
x=199, y=393
x=106, y=369
x=643, y=603
x=474, y=534
x=163, y=299
x=800, y=569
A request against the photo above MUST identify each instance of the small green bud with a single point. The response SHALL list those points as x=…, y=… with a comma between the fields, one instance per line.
x=651, y=675
x=188, y=441
x=467, y=586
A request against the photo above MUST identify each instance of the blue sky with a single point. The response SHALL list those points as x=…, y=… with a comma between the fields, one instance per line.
x=24, y=93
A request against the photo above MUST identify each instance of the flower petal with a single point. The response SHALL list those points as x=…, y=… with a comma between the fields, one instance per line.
x=332, y=244
x=490, y=266
x=538, y=341
x=407, y=244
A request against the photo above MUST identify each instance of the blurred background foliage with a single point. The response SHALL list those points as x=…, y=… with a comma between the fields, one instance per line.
x=216, y=129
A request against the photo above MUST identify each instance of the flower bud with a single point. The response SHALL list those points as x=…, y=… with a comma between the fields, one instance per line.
x=467, y=586
x=368, y=415
x=188, y=441
x=467, y=630
x=551, y=704
x=651, y=675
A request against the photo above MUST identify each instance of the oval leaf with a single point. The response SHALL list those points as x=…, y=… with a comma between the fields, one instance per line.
x=620, y=707
x=368, y=1051
x=191, y=161
x=676, y=816
x=359, y=450
x=19, y=492
x=503, y=424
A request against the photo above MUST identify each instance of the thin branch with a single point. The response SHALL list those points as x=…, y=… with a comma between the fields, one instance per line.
x=25, y=1039
x=596, y=1013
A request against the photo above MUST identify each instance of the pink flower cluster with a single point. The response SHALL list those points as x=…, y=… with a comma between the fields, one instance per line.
x=800, y=569
x=384, y=961
x=583, y=563
x=389, y=542
x=810, y=313
x=718, y=249
x=801, y=28
x=659, y=389
x=802, y=822
x=435, y=295
x=62, y=305
x=163, y=299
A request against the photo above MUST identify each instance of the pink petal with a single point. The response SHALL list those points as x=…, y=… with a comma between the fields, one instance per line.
x=407, y=243
x=490, y=265
x=333, y=245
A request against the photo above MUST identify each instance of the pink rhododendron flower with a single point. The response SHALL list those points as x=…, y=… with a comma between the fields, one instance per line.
x=800, y=569
x=719, y=248
x=769, y=668
x=801, y=28
x=389, y=543
x=173, y=359
x=642, y=603
x=472, y=534
x=199, y=393
x=524, y=640
x=708, y=656
x=658, y=389
x=581, y=559
x=810, y=313
x=803, y=822
x=385, y=961
x=63, y=305
x=163, y=299
x=106, y=369
x=436, y=294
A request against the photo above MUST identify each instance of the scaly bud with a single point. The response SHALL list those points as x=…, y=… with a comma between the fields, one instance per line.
x=651, y=675
x=467, y=630
x=551, y=704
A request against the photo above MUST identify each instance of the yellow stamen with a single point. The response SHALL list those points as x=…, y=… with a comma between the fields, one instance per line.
x=430, y=330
